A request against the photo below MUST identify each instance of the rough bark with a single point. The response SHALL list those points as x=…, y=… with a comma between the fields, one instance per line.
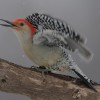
x=21, y=80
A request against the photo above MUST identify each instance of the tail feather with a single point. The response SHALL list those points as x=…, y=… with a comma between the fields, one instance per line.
x=86, y=80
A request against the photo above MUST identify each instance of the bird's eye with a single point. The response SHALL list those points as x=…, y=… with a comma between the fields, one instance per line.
x=21, y=24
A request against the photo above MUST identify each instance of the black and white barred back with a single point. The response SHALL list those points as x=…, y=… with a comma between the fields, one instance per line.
x=48, y=22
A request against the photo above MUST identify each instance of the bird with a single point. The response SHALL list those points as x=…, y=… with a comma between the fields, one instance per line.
x=48, y=41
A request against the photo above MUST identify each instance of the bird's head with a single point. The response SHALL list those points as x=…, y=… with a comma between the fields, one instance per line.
x=21, y=27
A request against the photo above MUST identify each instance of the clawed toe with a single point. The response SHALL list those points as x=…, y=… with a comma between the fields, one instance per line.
x=41, y=69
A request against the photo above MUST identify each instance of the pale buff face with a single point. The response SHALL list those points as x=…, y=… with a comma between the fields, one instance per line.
x=22, y=31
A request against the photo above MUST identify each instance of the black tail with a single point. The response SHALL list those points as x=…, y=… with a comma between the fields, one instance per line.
x=87, y=81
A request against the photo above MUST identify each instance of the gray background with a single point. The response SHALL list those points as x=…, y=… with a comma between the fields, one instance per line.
x=83, y=15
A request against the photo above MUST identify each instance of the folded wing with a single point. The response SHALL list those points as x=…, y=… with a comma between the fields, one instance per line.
x=54, y=39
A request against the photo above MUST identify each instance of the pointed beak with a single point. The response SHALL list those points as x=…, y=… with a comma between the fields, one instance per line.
x=8, y=23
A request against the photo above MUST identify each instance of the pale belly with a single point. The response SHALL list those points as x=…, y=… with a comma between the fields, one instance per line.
x=43, y=56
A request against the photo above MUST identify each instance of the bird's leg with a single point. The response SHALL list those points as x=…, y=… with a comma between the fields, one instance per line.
x=41, y=69
x=35, y=68
x=44, y=70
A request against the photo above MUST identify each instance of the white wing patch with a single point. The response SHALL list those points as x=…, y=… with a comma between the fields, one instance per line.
x=47, y=34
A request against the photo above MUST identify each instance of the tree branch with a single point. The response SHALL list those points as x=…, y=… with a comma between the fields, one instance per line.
x=20, y=80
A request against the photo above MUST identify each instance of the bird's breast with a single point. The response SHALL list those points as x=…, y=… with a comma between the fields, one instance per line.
x=43, y=56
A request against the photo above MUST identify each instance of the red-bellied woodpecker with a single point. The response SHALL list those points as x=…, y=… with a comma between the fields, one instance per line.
x=48, y=41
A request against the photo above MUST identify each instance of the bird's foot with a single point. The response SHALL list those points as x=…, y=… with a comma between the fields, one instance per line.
x=41, y=69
